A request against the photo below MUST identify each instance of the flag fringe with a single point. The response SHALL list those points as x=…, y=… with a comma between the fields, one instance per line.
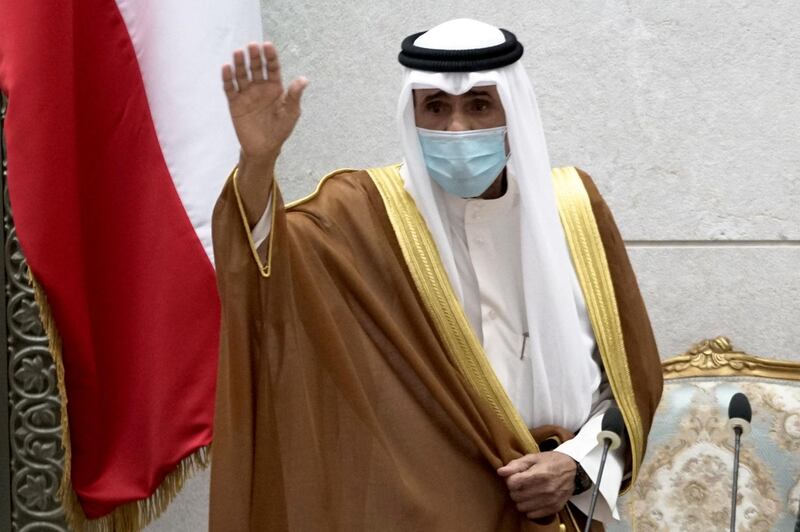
x=134, y=516
x=128, y=517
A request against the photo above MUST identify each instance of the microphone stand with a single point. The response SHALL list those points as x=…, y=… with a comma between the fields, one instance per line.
x=738, y=432
x=739, y=416
x=596, y=488
x=613, y=428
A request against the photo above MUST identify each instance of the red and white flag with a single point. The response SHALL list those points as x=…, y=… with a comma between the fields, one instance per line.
x=118, y=144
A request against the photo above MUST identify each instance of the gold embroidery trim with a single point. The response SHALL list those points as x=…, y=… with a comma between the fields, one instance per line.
x=432, y=283
x=322, y=181
x=591, y=267
x=266, y=269
x=572, y=520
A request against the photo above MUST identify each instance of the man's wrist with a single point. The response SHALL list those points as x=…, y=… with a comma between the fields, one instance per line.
x=255, y=177
x=261, y=164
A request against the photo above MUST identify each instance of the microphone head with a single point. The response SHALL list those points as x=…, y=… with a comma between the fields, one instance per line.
x=613, y=426
x=739, y=407
x=613, y=422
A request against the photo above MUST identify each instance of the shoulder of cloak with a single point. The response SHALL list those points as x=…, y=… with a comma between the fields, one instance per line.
x=591, y=189
x=345, y=187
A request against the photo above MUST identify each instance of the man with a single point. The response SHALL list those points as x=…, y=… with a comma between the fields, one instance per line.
x=415, y=347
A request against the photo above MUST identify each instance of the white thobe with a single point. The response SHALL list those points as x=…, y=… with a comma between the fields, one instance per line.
x=485, y=236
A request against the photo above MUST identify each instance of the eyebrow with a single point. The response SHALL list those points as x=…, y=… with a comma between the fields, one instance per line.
x=440, y=93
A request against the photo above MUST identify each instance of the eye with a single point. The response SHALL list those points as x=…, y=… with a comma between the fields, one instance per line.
x=480, y=105
x=436, y=107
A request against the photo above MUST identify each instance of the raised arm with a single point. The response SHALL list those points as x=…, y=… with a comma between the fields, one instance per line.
x=264, y=115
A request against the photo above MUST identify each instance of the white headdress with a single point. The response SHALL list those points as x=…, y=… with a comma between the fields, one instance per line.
x=561, y=338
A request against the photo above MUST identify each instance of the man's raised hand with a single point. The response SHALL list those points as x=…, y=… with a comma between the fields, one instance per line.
x=264, y=115
x=263, y=112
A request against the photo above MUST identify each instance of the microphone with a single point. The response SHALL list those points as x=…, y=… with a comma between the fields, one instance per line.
x=797, y=523
x=739, y=415
x=613, y=428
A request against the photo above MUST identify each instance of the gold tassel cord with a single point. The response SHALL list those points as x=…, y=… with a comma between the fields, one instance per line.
x=129, y=517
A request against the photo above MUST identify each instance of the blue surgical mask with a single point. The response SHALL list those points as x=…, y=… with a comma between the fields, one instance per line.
x=464, y=163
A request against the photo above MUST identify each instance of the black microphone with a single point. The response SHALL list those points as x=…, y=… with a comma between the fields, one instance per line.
x=797, y=523
x=613, y=428
x=739, y=415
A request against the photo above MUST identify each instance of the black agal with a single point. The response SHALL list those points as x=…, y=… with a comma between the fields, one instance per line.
x=472, y=60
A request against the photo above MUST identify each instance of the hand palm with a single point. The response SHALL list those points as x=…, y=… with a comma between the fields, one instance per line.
x=263, y=113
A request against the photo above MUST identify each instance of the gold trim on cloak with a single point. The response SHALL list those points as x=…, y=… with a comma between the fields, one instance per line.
x=265, y=269
x=591, y=266
x=594, y=276
x=433, y=285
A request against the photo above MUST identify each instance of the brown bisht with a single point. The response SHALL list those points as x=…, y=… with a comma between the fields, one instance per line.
x=352, y=393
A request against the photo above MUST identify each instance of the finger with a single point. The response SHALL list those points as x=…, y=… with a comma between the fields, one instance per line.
x=526, y=507
x=541, y=512
x=545, y=476
x=240, y=70
x=227, y=81
x=291, y=98
x=527, y=479
x=295, y=91
x=522, y=495
x=537, y=503
x=517, y=465
x=273, y=64
x=256, y=65
x=518, y=482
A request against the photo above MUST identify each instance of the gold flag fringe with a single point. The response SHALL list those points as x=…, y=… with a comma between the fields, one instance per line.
x=129, y=517
x=134, y=516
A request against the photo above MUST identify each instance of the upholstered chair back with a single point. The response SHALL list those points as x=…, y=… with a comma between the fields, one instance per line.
x=685, y=481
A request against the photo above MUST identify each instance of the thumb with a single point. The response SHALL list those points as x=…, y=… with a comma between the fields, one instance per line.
x=295, y=91
x=518, y=465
